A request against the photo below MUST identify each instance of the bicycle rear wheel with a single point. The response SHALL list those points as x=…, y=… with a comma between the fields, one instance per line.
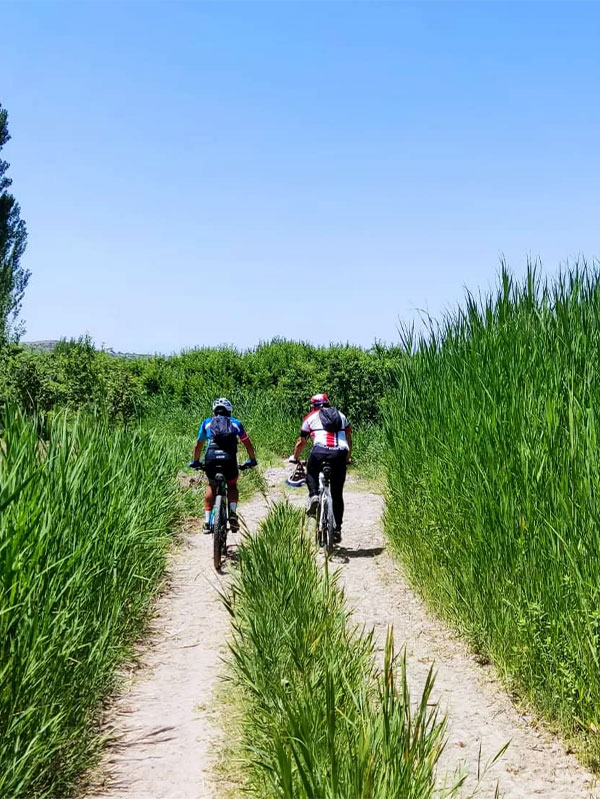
x=219, y=531
x=224, y=522
x=326, y=523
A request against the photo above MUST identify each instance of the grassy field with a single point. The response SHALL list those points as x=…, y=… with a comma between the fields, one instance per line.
x=87, y=505
x=317, y=720
x=85, y=514
x=488, y=435
x=494, y=477
x=273, y=429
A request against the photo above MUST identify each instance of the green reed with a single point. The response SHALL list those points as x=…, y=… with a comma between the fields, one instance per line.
x=84, y=517
x=318, y=720
x=494, y=477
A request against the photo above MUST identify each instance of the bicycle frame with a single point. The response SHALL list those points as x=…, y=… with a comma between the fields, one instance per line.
x=218, y=521
x=221, y=492
x=219, y=516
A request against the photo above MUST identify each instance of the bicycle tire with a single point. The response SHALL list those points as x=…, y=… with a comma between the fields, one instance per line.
x=330, y=523
x=318, y=528
x=224, y=521
x=324, y=517
x=319, y=520
x=217, y=532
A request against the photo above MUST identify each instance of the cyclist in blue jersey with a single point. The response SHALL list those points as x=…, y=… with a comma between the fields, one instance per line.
x=221, y=433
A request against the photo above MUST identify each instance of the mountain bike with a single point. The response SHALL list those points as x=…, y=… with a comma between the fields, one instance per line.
x=325, y=528
x=219, y=516
x=325, y=519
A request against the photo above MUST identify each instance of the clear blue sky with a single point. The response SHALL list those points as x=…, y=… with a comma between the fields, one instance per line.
x=196, y=173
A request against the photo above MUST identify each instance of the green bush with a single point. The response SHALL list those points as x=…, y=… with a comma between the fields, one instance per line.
x=269, y=385
x=287, y=373
x=74, y=375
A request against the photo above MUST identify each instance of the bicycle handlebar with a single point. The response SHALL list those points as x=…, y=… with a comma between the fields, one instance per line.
x=200, y=465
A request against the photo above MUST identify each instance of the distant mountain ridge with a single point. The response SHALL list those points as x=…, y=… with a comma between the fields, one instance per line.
x=48, y=345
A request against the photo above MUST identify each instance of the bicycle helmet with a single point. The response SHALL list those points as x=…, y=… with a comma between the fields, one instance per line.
x=223, y=405
x=319, y=401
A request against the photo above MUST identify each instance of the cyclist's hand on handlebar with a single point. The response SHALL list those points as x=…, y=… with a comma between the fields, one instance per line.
x=248, y=463
x=196, y=464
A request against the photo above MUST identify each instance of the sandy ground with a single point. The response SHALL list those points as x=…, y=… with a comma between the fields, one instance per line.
x=480, y=713
x=164, y=731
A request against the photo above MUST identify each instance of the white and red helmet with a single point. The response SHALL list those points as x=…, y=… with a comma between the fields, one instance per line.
x=319, y=400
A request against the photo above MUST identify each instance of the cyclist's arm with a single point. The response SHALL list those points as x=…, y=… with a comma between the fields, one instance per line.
x=249, y=447
x=349, y=440
x=300, y=445
x=198, y=450
x=202, y=437
x=244, y=439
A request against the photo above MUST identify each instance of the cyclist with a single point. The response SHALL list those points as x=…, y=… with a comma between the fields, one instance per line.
x=222, y=432
x=332, y=444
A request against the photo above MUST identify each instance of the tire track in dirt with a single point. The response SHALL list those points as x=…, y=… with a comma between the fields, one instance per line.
x=164, y=727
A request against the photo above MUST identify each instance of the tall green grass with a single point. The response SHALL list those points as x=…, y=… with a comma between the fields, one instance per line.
x=272, y=427
x=494, y=482
x=84, y=520
x=318, y=721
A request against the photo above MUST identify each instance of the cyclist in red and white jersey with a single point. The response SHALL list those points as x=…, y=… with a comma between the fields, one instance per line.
x=332, y=444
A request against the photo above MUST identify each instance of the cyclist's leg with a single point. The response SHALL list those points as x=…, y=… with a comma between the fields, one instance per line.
x=211, y=489
x=338, y=478
x=313, y=468
x=233, y=492
x=231, y=472
x=209, y=496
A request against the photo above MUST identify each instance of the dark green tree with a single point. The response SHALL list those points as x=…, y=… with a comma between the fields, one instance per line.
x=13, y=238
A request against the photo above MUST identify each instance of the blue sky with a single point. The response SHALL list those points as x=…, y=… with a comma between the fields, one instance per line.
x=197, y=173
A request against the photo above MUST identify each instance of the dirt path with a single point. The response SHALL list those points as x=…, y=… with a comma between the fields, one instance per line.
x=165, y=726
x=480, y=713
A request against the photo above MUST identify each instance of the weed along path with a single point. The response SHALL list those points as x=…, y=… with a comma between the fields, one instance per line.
x=165, y=730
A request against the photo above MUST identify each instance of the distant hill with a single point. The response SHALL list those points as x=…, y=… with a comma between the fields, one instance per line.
x=47, y=345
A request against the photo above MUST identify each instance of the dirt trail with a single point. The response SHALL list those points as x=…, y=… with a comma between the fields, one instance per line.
x=480, y=713
x=165, y=725
x=164, y=729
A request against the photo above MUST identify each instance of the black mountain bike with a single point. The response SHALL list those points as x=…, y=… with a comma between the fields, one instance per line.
x=219, y=516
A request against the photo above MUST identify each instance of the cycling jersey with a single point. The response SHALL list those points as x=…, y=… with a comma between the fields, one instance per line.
x=204, y=432
x=312, y=426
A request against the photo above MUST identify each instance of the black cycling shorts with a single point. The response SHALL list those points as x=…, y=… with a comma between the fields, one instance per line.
x=219, y=461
